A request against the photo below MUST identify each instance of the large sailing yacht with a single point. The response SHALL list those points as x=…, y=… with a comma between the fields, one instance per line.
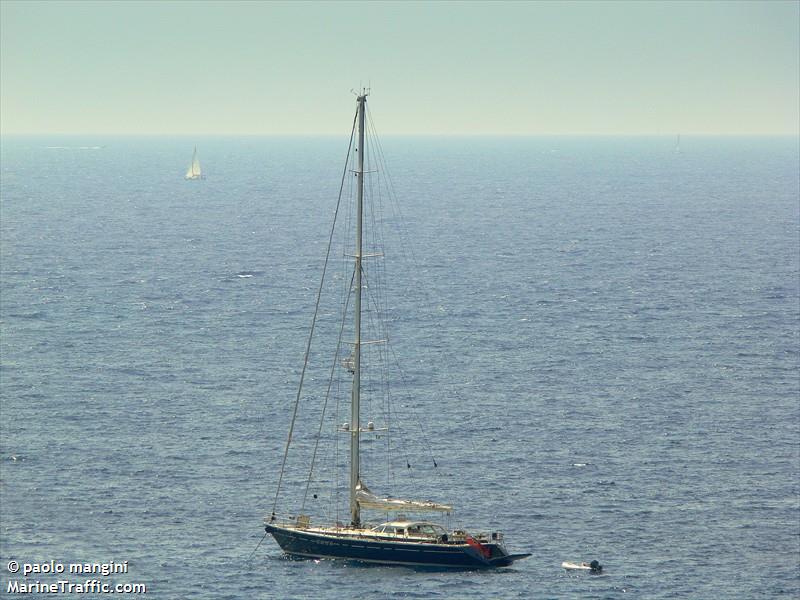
x=399, y=540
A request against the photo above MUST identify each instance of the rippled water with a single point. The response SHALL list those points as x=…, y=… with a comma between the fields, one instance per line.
x=606, y=358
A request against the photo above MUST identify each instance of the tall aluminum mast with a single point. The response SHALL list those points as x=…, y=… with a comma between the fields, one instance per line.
x=355, y=420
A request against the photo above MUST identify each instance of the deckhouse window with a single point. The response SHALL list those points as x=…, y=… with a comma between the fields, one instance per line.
x=427, y=529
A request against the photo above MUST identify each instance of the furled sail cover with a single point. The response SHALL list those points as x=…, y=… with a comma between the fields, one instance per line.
x=367, y=499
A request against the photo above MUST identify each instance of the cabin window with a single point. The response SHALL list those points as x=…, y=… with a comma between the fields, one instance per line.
x=427, y=529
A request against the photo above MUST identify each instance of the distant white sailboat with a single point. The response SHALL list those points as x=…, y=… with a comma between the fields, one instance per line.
x=194, y=171
x=678, y=145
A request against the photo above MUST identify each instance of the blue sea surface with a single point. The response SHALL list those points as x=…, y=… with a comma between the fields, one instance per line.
x=602, y=337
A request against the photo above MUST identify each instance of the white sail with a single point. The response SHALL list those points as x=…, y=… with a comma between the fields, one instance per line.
x=366, y=499
x=194, y=171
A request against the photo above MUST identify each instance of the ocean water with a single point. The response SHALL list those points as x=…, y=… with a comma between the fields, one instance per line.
x=601, y=336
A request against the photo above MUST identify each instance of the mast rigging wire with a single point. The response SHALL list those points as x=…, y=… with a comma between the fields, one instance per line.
x=325, y=403
x=313, y=322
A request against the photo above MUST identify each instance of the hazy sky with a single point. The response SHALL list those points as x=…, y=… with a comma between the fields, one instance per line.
x=473, y=67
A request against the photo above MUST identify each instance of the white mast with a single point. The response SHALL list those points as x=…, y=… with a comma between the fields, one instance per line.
x=355, y=421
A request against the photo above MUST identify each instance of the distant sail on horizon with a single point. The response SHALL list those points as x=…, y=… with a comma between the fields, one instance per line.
x=194, y=171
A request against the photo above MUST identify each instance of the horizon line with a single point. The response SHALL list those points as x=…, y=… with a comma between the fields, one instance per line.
x=427, y=134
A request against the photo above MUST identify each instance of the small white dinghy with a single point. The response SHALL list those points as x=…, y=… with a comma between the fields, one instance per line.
x=592, y=567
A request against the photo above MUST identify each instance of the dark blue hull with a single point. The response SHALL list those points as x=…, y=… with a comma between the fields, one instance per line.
x=306, y=544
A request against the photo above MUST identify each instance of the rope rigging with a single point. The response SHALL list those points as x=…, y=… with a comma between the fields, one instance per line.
x=376, y=310
x=325, y=405
x=313, y=324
